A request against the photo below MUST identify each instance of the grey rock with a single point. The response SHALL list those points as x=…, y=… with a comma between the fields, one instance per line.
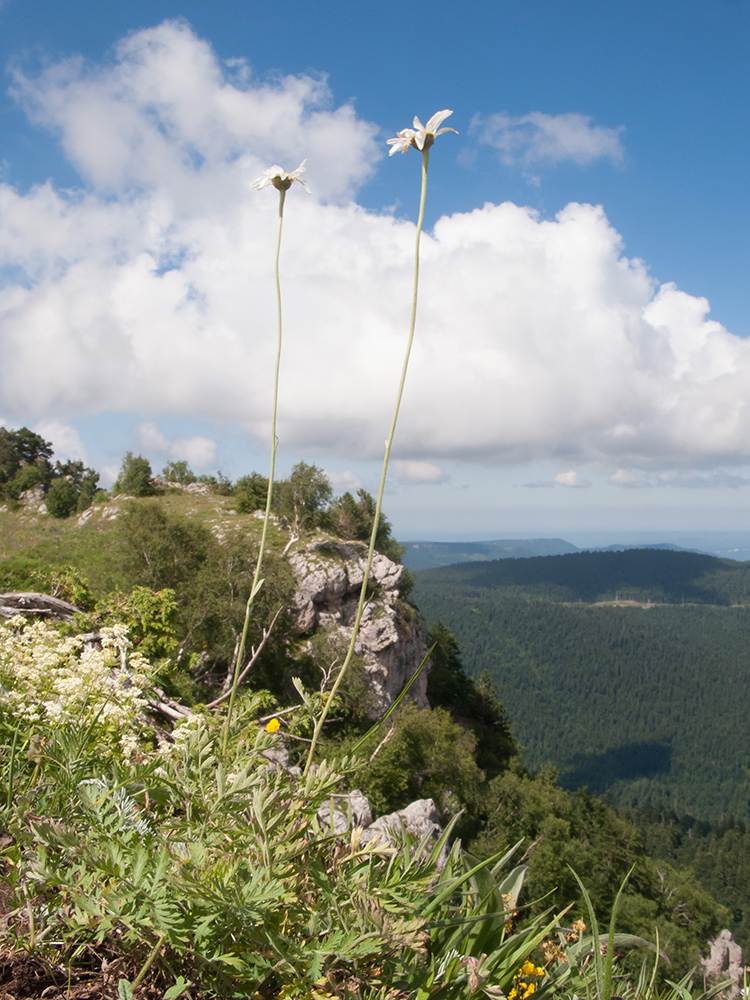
x=420, y=819
x=725, y=961
x=342, y=812
x=329, y=576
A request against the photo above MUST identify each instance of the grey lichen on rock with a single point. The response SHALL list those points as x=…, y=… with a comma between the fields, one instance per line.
x=328, y=575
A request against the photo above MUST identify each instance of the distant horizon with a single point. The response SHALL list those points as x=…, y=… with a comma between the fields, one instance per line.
x=720, y=543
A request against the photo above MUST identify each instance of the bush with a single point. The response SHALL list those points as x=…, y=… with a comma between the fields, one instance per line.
x=250, y=493
x=135, y=477
x=62, y=498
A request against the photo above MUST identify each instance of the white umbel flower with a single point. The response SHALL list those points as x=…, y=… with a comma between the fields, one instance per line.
x=421, y=136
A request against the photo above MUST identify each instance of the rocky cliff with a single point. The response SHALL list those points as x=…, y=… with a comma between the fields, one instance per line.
x=329, y=575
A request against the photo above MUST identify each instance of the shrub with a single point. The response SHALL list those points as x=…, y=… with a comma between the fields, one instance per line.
x=135, y=477
x=62, y=498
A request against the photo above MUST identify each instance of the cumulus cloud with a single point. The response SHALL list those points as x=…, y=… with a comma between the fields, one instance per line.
x=150, y=290
x=65, y=440
x=572, y=480
x=197, y=451
x=344, y=482
x=418, y=472
x=543, y=138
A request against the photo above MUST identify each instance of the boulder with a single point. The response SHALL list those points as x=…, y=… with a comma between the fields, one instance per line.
x=340, y=813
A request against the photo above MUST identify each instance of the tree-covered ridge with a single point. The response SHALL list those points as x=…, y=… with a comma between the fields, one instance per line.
x=646, y=704
x=644, y=575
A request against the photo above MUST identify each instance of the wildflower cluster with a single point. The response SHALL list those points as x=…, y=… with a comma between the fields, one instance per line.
x=526, y=981
x=49, y=678
x=556, y=950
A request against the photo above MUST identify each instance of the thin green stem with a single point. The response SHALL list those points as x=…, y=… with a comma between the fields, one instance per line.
x=257, y=581
x=381, y=491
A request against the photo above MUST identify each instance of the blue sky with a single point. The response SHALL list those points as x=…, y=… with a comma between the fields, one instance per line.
x=568, y=373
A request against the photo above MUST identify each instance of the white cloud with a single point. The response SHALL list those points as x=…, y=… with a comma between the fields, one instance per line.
x=344, y=482
x=65, y=440
x=572, y=480
x=418, y=472
x=683, y=479
x=151, y=291
x=543, y=138
x=197, y=451
x=628, y=478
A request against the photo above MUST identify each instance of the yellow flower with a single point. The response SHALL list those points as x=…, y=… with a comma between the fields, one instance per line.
x=273, y=726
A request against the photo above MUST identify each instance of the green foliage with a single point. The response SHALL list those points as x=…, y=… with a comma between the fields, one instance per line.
x=302, y=499
x=151, y=618
x=563, y=831
x=135, y=478
x=353, y=519
x=427, y=756
x=24, y=461
x=219, y=483
x=712, y=856
x=472, y=703
x=178, y=472
x=643, y=575
x=62, y=498
x=158, y=549
x=218, y=867
x=250, y=493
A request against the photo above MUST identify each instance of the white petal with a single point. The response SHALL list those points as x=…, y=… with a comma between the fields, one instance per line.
x=398, y=145
x=437, y=120
x=419, y=139
x=446, y=130
x=418, y=125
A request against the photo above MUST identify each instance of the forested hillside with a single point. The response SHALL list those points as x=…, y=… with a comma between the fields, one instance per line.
x=648, y=704
x=171, y=559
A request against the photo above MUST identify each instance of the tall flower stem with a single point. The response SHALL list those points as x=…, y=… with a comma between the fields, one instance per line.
x=257, y=581
x=388, y=445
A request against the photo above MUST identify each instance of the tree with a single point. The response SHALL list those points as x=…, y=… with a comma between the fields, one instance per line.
x=135, y=477
x=354, y=519
x=178, y=472
x=83, y=479
x=250, y=493
x=304, y=496
x=473, y=704
x=24, y=461
x=159, y=550
x=62, y=498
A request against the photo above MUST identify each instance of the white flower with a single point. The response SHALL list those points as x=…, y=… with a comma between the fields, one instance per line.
x=421, y=136
x=280, y=179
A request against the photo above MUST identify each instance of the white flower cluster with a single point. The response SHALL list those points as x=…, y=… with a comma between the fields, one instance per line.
x=46, y=677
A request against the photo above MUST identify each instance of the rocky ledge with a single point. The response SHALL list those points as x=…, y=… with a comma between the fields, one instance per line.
x=329, y=576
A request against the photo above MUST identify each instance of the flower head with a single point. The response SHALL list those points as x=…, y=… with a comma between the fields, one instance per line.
x=280, y=179
x=274, y=725
x=421, y=136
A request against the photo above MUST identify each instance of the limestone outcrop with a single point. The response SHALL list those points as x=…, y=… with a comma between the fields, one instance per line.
x=725, y=961
x=328, y=575
x=420, y=819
